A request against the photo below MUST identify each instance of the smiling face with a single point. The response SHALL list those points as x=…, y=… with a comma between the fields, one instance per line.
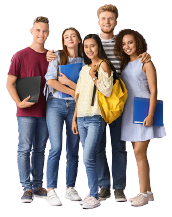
x=71, y=39
x=129, y=45
x=40, y=32
x=91, y=48
x=107, y=21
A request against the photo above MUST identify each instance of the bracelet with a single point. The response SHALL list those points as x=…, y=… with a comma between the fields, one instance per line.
x=94, y=78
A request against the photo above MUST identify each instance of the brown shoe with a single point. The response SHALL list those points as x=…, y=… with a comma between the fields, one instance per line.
x=119, y=195
x=140, y=200
x=104, y=193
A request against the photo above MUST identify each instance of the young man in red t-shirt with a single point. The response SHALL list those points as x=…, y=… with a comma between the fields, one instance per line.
x=32, y=128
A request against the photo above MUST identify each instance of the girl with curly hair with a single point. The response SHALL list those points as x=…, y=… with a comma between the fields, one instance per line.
x=141, y=81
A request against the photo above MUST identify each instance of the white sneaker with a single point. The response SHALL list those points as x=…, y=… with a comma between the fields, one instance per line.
x=83, y=201
x=140, y=200
x=72, y=194
x=150, y=197
x=53, y=199
x=91, y=203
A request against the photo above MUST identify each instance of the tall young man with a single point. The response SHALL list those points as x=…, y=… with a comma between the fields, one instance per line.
x=108, y=15
x=32, y=128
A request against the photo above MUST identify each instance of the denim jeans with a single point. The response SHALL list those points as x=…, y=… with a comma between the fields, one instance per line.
x=119, y=158
x=58, y=111
x=33, y=135
x=90, y=131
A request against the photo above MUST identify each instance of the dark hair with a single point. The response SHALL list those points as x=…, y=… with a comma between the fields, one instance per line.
x=102, y=55
x=141, y=46
x=64, y=53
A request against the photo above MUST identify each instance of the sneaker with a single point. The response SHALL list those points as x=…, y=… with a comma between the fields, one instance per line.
x=27, y=197
x=104, y=193
x=133, y=198
x=140, y=200
x=150, y=197
x=72, y=194
x=91, y=203
x=119, y=195
x=40, y=192
x=83, y=201
x=53, y=199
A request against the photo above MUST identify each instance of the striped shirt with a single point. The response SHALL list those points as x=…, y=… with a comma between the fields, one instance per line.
x=108, y=45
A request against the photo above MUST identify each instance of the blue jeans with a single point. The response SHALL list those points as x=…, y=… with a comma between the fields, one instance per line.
x=58, y=111
x=90, y=131
x=119, y=158
x=33, y=135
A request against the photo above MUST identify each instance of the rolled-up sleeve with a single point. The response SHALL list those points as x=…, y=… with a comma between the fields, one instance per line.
x=105, y=83
x=52, y=69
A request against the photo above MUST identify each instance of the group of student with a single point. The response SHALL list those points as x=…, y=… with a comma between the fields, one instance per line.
x=126, y=57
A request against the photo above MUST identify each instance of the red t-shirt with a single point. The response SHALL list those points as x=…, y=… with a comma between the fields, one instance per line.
x=29, y=63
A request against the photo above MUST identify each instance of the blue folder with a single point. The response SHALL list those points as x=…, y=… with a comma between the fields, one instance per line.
x=72, y=72
x=141, y=109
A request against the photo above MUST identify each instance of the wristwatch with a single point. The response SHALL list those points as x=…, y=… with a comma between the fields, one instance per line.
x=94, y=78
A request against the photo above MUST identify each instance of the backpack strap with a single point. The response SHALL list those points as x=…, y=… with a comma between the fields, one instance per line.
x=94, y=89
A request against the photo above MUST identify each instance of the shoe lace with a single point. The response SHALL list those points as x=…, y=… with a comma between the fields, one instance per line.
x=119, y=192
x=140, y=197
x=91, y=200
x=86, y=197
x=42, y=190
x=28, y=193
x=72, y=191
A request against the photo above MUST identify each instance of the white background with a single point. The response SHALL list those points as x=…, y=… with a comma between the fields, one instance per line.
x=150, y=18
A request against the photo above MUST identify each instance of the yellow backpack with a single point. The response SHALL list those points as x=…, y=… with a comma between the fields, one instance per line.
x=112, y=107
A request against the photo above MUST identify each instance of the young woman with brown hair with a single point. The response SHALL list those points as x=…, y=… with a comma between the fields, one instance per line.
x=60, y=110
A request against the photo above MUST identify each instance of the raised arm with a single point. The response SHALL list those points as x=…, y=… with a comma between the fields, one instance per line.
x=104, y=83
x=51, y=55
x=145, y=57
x=150, y=71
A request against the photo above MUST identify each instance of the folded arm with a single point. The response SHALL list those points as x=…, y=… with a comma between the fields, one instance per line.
x=60, y=87
x=51, y=78
x=104, y=83
x=64, y=80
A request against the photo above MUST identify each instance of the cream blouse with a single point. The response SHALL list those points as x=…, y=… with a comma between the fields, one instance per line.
x=85, y=87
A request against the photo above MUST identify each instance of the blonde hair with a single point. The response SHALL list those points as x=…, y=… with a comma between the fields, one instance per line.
x=41, y=20
x=111, y=8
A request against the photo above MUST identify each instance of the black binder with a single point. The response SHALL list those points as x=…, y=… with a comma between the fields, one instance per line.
x=29, y=86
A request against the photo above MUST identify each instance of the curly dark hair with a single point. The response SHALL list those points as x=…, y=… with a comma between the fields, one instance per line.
x=141, y=46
